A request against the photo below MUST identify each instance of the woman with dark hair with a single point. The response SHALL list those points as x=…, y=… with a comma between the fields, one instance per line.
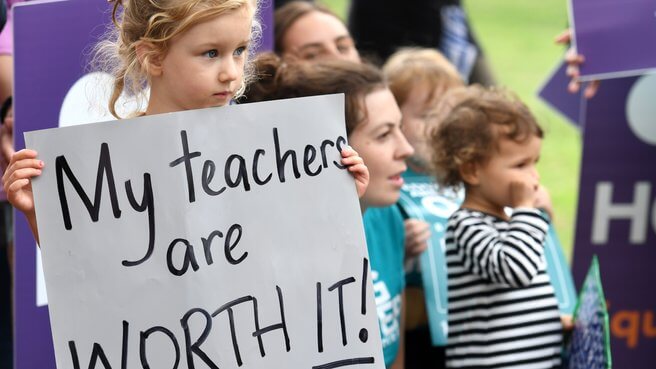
x=373, y=126
x=307, y=31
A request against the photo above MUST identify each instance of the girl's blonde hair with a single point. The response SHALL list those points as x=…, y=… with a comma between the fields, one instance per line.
x=156, y=22
x=412, y=66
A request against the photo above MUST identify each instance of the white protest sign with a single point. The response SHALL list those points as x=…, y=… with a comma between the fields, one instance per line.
x=217, y=238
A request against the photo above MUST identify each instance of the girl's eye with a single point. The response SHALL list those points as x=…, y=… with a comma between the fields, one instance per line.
x=239, y=51
x=212, y=53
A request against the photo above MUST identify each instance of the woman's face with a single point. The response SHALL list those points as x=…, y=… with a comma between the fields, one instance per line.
x=383, y=147
x=318, y=35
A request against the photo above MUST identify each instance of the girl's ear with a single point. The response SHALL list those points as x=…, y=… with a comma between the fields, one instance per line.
x=149, y=58
x=469, y=173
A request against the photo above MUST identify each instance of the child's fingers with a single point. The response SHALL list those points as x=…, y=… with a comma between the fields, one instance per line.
x=352, y=160
x=26, y=163
x=17, y=185
x=25, y=173
x=348, y=151
x=24, y=154
x=358, y=168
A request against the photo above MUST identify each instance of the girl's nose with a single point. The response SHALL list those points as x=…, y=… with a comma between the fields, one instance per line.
x=229, y=71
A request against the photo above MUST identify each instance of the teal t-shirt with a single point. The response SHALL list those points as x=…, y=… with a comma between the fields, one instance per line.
x=385, y=235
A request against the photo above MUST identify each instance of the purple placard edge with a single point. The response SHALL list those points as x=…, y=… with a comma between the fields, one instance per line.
x=613, y=49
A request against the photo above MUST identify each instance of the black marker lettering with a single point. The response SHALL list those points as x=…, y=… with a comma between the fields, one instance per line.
x=229, y=245
x=194, y=349
x=231, y=320
x=242, y=173
x=281, y=160
x=189, y=257
x=142, y=345
x=256, y=176
x=104, y=168
x=282, y=325
x=319, y=319
x=308, y=157
x=186, y=159
x=339, y=144
x=324, y=158
x=340, y=295
x=207, y=246
x=208, y=173
x=147, y=203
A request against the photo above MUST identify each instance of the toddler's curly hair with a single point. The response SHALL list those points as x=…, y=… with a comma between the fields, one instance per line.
x=472, y=121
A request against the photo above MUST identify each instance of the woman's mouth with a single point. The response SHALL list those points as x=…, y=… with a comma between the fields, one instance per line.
x=397, y=180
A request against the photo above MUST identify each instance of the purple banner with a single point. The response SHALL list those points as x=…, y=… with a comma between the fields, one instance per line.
x=49, y=43
x=617, y=212
x=555, y=94
x=615, y=36
x=53, y=42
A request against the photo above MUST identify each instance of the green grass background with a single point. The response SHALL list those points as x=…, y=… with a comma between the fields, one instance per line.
x=517, y=37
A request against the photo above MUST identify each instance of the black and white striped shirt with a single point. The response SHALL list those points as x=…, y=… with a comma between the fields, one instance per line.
x=503, y=312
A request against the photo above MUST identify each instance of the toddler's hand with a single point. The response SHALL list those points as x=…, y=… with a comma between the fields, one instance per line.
x=356, y=167
x=17, y=179
x=568, y=322
x=522, y=194
x=543, y=201
x=417, y=233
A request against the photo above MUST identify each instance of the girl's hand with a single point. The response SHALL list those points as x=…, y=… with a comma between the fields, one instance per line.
x=6, y=142
x=17, y=180
x=417, y=233
x=574, y=60
x=356, y=167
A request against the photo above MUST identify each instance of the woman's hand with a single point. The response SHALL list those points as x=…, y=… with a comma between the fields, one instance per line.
x=574, y=60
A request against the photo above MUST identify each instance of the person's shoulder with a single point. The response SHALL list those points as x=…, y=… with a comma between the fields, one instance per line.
x=388, y=212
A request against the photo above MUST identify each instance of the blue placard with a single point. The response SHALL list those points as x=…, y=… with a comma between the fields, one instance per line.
x=422, y=199
x=560, y=273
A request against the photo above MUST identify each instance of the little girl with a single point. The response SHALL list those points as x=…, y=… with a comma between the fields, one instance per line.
x=502, y=309
x=190, y=53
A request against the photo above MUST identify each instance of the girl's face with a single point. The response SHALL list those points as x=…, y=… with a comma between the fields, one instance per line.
x=318, y=35
x=511, y=162
x=204, y=66
x=383, y=147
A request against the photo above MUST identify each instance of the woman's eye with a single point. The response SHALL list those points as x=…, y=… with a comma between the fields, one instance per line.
x=384, y=135
x=212, y=54
x=344, y=49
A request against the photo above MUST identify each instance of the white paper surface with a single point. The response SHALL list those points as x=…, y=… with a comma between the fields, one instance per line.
x=287, y=238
